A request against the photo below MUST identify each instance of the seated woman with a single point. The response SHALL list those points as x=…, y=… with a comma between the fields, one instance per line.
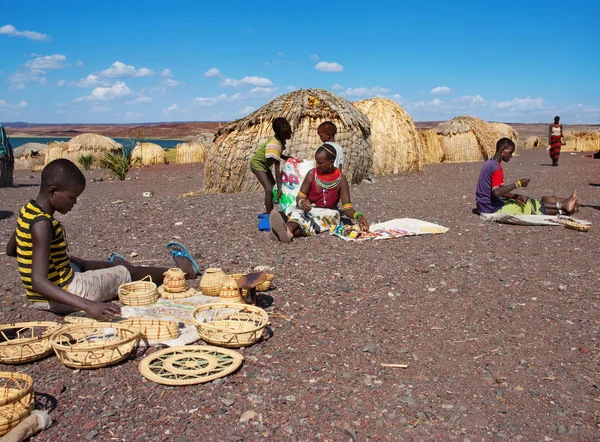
x=317, y=201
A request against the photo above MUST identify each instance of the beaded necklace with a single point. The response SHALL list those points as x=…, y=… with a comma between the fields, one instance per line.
x=329, y=180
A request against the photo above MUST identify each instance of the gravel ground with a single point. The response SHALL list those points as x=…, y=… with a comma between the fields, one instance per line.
x=499, y=324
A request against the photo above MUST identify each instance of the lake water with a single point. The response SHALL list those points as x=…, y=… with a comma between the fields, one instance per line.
x=16, y=142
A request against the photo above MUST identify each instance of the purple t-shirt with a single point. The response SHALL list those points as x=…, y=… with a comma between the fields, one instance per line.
x=491, y=175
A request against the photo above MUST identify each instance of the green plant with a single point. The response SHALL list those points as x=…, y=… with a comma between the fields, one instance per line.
x=86, y=161
x=118, y=163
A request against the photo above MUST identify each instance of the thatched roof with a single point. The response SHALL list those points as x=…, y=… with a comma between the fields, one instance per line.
x=190, y=152
x=532, y=142
x=506, y=131
x=394, y=137
x=149, y=153
x=205, y=138
x=227, y=166
x=466, y=139
x=431, y=149
x=30, y=149
x=582, y=142
x=93, y=143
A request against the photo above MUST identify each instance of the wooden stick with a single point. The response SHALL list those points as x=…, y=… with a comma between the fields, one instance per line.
x=395, y=365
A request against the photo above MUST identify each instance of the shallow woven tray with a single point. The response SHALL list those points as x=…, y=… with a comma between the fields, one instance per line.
x=16, y=399
x=265, y=286
x=94, y=345
x=26, y=341
x=230, y=325
x=79, y=318
x=142, y=292
x=190, y=364
x=171, y=295
x=574, y=225
x=153, y=329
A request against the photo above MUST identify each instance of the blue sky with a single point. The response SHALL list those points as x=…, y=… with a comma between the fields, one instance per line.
x=126, y=61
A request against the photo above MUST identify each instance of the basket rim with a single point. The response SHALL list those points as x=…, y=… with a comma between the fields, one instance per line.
x=21, y=393
x=21, y=341
x=136, y=334
x=246, y=307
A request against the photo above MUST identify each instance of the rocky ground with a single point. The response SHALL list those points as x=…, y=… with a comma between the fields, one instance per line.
x=498, y=324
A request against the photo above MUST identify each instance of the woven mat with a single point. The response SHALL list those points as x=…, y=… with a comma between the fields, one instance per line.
x=529, y=220
x=398, y=228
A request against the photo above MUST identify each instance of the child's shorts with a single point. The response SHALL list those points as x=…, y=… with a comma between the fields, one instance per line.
x=95, y=285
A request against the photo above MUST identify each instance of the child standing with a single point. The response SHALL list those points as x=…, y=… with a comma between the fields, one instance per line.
x=327, y=131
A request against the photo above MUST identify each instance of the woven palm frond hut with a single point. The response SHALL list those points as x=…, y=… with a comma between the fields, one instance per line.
x=190, y=152
x=394, y=137
x=84, y=144
x=506, y=131
x=431, y=148
x=532, y=142
x=55, y=150
x=227, y=165
x=30, y=156
x=149, y=153
x=582, y=142
x=465, y=139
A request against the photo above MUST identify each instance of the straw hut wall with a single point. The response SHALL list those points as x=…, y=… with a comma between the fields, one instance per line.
x=582, y=142
x=149, y=153
x=190, y=152
x=431, y=149
x=30, y=156
x=394, y=138
x=84, y=144
x=227, y=166
x=506, y=131
x=532, y=142
x=465, y=139
x=56, y=150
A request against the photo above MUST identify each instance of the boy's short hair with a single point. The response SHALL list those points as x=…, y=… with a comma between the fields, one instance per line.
x=279, y=123
x=329, y=128
x=62, y=173
x=504, y=143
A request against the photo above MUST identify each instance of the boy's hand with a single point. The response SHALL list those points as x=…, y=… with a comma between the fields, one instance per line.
x=525, y=182
x=103, y=312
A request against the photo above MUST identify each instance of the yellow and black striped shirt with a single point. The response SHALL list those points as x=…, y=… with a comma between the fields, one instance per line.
x=59, y=267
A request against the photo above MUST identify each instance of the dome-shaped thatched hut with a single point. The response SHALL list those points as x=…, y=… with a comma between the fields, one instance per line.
x=394, y=137
x=56, y=150
x=148, y=153
x=465, y=139
x=190, y=152
x=227, y=165
x=532, y=142
x=30, y=156
x=84, y=144
x=431, y=150
x=580, y=142
x=506, y=131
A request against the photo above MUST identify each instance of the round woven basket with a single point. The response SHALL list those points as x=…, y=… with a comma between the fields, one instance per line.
x=16, y=399
x=179, y=295
x=211, y=281
x=79, y=318
x=26, y=341
x=230, y=325
x=230, y=292
x=94, y=345
x=267, y=284
x=575, y=225
x=174, y=281
x=153, y=329
x=142, y=292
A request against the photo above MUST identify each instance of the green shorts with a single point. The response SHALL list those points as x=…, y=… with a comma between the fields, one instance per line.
x=531, y=207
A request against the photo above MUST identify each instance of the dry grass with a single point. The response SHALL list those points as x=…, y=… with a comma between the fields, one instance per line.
x=532, y=143
x=582, y=142
x=190, y=152
x=84, y=144
x=465, y=139
x=506, y=131
x=430, y=146
x=148, y=154
x=30, y=156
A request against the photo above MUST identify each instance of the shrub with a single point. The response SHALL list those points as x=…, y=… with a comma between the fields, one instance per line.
x=86, y=161
x=118, y=163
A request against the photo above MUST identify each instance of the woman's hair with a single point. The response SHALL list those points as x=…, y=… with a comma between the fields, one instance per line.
x=279, y=124
x=557, y=119
x=328, y=150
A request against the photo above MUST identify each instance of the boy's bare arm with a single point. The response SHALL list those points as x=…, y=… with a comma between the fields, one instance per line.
x=11, y=245
x=41, y=234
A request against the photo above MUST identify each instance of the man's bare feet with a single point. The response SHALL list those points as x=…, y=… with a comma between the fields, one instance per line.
x=570, y=204
x=184, y=264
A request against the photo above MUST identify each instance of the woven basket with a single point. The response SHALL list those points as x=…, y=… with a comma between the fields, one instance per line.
x=153, y=329
x=25, y=341
x=179, y=295
x=267, y=284
x=94, y=346
x=575, y=225
x=142, y=292
x=230, y=325
x=174, y=281
x=230, y=292
x=211, y=281
x=16, y=399
x=79, y=318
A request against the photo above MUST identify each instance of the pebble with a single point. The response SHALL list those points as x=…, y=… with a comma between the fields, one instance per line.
x=372, y=348
x=91, y=435
x=179, y=223
x=248, y=416
x=562, y=429
x=228, y=402
x=133, y=254
x=350, y=430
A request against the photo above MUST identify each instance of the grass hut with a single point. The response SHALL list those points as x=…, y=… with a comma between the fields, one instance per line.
x=30, y=156
x=394, y=137
x=227, y=166
x=190, y=152
x=431, y=149
x=149, y=153
x=506, y=131
x=582, y=142
x=465, y=139
x=85, y=144
x=532, y=142
x=56, y=150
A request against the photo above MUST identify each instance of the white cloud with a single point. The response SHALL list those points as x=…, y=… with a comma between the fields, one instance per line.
x=115, y=92
x=91, y=81
x=325, y=66
x=133, y=115
x=55, y=61
x=291, y=88
x=337, y=87
x=314, y=57
x=209, y=101
x=166, y=73
x=252, y=81
x=281, y=54
x=213, y=72
x=97, y=108
x=11, y=31
x=261, y=91
x=79, y=63
x=139, y=100
x=245, y=111
x=470, y=99
x=17, y=87
x=440, y=90
x=170, y=83
x=18, y=80
x=119, y=69
x=61, y=83
x=397, y=98
x=521, y=104
x=171, y=108
x=7, y=108
x=365, y=92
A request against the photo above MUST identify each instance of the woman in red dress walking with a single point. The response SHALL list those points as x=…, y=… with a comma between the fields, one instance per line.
x=555, y=134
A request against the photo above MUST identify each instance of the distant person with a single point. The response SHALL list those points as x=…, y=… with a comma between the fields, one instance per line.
x=327, y=131
x=270, y=154
x=555, y=135
x=494, y=195
x=61, y=283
